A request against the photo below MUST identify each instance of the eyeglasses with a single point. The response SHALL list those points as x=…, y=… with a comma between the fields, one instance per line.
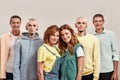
x=81, y=23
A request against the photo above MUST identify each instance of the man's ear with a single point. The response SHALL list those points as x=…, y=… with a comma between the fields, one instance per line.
x=26, y=27
x=86, y=24
x=37, y=28
x=75, y=25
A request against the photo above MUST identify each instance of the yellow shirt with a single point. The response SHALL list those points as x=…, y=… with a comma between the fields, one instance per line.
x=91, y=47
x=48, y=58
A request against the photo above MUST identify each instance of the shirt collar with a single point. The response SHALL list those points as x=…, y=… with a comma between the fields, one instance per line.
x=11, y=35
x=104, y=31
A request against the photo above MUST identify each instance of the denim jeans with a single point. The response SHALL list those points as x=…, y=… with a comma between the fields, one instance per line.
x=54, y=73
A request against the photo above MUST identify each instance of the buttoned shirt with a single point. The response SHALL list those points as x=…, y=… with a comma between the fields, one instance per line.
x=109, y=50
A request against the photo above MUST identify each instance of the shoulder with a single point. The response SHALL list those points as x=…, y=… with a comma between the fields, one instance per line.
x=110, y=33
x=77, y=46
x=5, y=35
x=40, y=40
x=42, y=47
x=93, y=37
x=19, y=41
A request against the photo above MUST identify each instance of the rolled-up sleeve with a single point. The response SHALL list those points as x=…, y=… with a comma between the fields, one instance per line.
x=114, y=48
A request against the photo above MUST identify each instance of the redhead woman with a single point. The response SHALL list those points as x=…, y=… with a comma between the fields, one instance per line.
x=48, y=55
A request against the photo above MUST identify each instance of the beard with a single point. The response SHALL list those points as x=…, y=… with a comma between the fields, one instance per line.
x=81, y=31
x=31, y=34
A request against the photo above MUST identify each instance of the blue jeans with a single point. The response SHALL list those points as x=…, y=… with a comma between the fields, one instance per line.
x=48, y=76
x=9, y=76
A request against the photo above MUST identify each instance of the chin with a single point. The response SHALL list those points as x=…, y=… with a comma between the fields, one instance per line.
x=54, y=43
x=67, y=41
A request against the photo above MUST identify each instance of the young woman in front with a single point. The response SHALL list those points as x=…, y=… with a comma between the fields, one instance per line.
x=48, y=55
x=72, y=54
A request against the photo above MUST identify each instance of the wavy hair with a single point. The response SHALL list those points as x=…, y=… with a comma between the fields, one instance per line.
x=62, y=45
x=50, y=31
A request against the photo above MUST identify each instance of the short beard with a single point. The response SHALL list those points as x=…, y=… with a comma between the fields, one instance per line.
x=31, y=34
x=81, y=31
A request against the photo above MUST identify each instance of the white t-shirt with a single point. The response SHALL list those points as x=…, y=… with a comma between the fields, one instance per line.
x=80, y=52
x=9, y=66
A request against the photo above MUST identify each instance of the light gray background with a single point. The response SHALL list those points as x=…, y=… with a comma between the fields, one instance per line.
x=59, y=12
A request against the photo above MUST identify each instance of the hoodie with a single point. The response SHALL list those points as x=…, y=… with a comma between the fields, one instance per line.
x=25, y=61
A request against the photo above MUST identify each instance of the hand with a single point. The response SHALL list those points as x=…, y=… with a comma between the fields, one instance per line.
x=114, y=76
x=2, y=79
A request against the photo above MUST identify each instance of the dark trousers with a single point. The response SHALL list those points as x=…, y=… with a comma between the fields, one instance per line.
x=9, y=76
x=105, y=76
x=88, y=77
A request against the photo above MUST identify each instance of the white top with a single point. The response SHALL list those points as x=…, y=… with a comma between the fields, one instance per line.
x=80, y=52
x=9, y=66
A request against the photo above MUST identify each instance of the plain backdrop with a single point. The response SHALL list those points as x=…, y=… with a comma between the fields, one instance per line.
x=60, y=12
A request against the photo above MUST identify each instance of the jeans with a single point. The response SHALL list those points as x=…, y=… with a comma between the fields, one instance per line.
x=88, y=77
x=9, y=76
x=105, y=76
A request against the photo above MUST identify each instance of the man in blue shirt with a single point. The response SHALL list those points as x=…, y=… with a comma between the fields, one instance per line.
x=109, y=51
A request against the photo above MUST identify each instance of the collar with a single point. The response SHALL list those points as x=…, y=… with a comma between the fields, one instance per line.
x=103, y=32
x=11, y=35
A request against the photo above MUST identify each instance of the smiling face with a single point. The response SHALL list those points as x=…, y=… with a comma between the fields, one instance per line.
x=98, y=22
x=54, y=38
x=15, y=24
x=66, y=35
x=51, y=35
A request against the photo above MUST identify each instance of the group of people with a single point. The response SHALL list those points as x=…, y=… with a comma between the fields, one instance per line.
x=62, y=54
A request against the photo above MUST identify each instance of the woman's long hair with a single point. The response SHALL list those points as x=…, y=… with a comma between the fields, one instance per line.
x=62, y=45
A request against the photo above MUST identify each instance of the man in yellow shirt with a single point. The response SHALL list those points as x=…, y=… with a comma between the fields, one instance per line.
x=92, y=51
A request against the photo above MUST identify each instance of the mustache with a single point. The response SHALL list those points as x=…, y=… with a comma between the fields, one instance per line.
x=81, y=31
x=98, y=25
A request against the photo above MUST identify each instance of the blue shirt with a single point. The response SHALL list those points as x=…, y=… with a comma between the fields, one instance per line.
x=108, y=50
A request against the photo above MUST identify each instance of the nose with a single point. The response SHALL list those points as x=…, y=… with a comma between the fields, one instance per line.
x=16, y=24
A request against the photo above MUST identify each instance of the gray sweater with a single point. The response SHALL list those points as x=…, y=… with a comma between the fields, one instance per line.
x=25, y=61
